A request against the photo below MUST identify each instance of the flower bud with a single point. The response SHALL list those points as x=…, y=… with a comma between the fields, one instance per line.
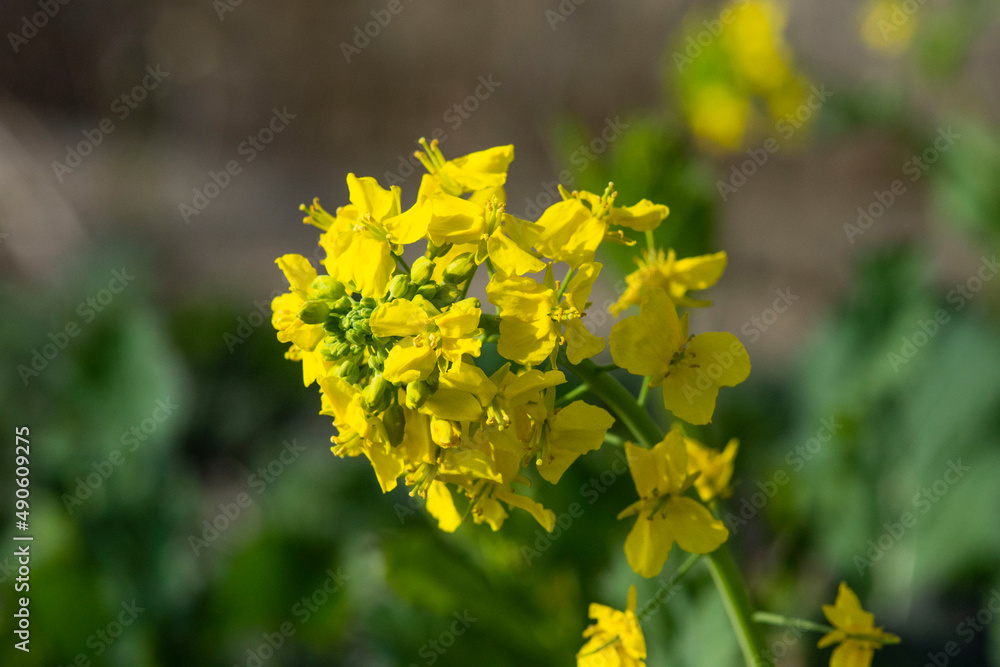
x=398, y=286
x=421, y=271
x=369, y=303
x=446, y=295
x=417, y=394
x=326, y=287
x=460, y=269
x=428, y=291
x=348, y=370
x=343, y=305
x=394, y=420
x=314, y=312
x=340, y=349
x=356, y=337
x=378, y=394
x=436, y=251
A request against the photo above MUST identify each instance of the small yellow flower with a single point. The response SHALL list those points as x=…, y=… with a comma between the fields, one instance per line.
x=655, y=343
x=665, y=514
x=360, y=240
x=615, y=639
x=885, y=27
x=571, y=230
x=532, y=323
x=675, y=277
x=714, y=468
x=855, y=631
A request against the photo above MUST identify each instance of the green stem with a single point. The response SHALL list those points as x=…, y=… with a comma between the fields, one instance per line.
x=572, y=394
x=725, y=574
x=787, y=621
x=728, y=581
x=565, y=283
x=644, y=392
x=650, y=241
x=402, y=263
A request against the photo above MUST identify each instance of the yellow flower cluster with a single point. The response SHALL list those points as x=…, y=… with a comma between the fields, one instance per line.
x=394, y=347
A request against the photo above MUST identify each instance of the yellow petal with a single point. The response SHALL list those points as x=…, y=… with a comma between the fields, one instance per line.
x=482, y=169
x=399, y=317
x=369, y=197
x=386, y=463
x=574, y=430
x=648, y=545
x=455, y=220
x=693, y=526
x=546, y=518
x=299, y=272
x=509, y=258
x=408, y=363
x=520, y=297
x=645, y=343
x=580, y=343
x=641, y=217
x=711, y=360
x=442, y=507
x=529, y=343
x=453, y=404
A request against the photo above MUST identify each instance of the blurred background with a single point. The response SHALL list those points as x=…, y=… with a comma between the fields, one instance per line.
x=185, y=506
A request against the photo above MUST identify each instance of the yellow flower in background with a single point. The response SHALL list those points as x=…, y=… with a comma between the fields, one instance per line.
x=615, y=638
x=673, y=276
x=886, y=27
x=714, y=468
x=532, y=323
x=730, y=65
x=655, y=343
x=665, y=514
x=855, y=631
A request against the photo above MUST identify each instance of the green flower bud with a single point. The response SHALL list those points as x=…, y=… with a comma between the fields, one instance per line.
x=417, y=394
x=340, y=349
x=348, y=369
x=446, y=295
x=428, y=291
x=326, y=287
x=421, y=271
x=314, y=312
x=435, y=251
x=398, y=286
x=343, y=305
x=377, y=396
x=369, y=303
x=460, y=269
x=394, y=420
x=377, y=365
x=356, y=337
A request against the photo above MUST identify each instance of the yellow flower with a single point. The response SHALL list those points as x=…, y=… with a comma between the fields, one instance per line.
x=675, y=277
x=655, y=343
x=571, y=230
x=360, y=240
x=427, y=335
x=571, y=432
x=855, y=631
x=665, y=514
x=479, y=171
x=882, y=31
x=531, y=324
x=615, y=639
x=285, y=318
x=714, y=468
